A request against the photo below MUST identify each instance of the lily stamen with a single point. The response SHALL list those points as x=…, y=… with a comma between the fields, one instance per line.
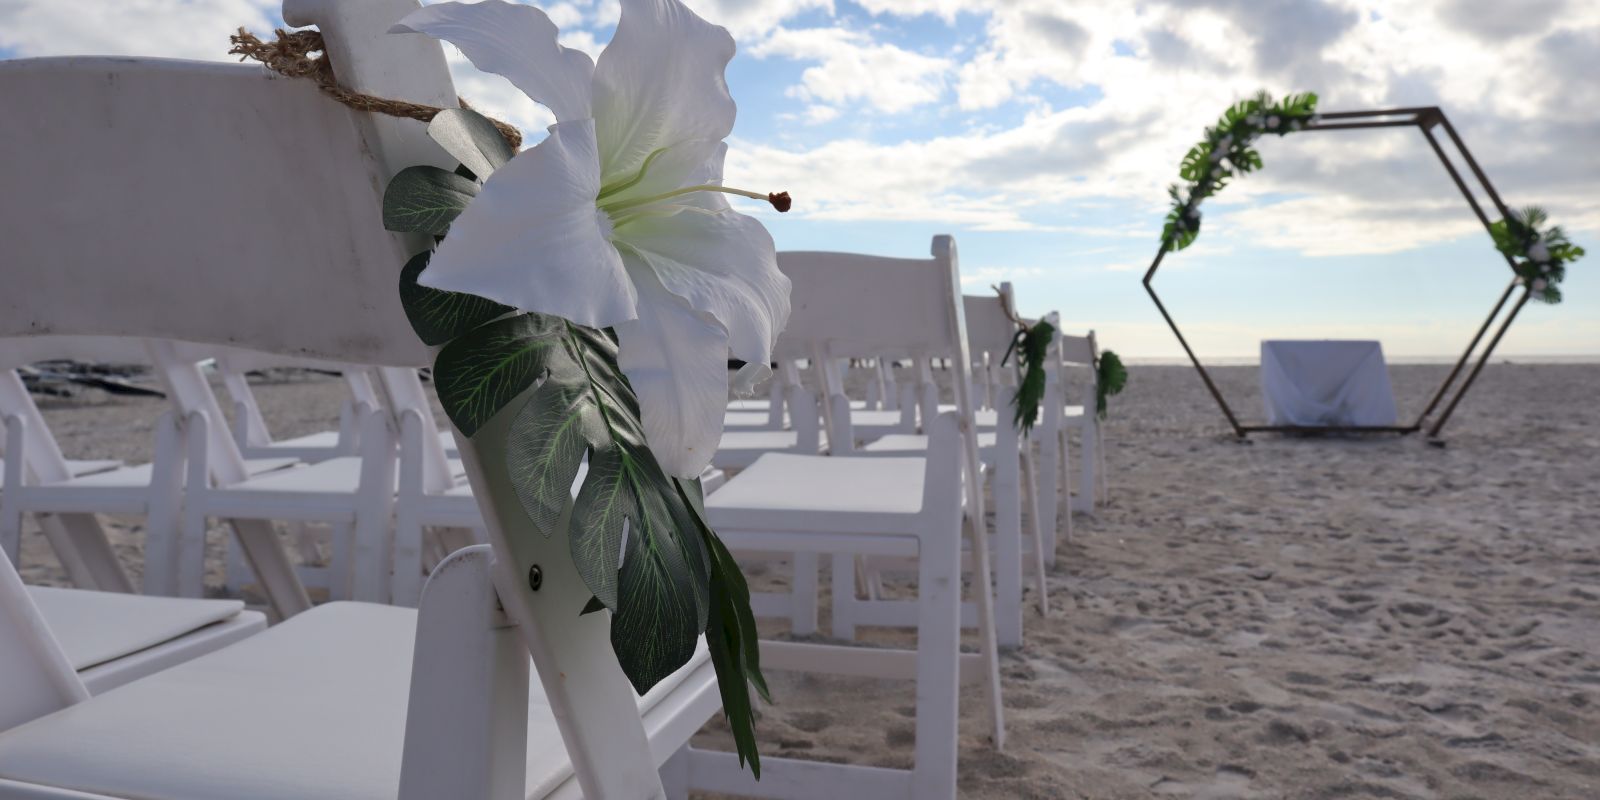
x=779, y=200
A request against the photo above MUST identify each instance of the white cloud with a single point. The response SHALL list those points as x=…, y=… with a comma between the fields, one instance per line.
x=168, y=28
x=748, y=18
x=853, y=68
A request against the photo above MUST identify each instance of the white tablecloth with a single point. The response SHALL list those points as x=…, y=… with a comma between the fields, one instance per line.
x=1326, y=383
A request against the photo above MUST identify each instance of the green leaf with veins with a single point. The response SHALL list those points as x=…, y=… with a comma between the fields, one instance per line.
x=426, y=200
x=548, y=440
x=660, y=595
x=437, y=315
x=478, y=373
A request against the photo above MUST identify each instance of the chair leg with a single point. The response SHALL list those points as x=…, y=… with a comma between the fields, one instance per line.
x=1030, y=491
x=11, y=534
x=190, y=556
x=983, y=587
x=933, y=772
x=273, y=568
x=1086, y=488
x=407, y=581
x=1049, y=484
x=844, y=596
x=803, y=595
x=236, y=572
x=161, y=533
x=1008, y=551
x=339, y=554
x=1100, y=464
x=675, y=775
x=82, y=539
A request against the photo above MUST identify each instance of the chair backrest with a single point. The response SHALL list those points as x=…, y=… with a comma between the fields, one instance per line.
x=860, y=306
x=159, y=187
x=990, y=329
x=990, y=332
x=845, y=305
x=1080, y=350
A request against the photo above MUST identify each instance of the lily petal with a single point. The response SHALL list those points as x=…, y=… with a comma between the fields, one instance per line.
x=722, y=263
x=688, y=163
x=658, y=83
x=517, y=42
x=534, y=240
x=677, y=361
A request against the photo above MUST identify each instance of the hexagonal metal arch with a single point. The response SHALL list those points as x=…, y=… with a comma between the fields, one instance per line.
x=1424, y=119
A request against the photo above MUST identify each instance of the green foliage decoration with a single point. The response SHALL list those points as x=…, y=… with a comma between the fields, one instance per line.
x=1227, y=152
x=1032, y=345
x=674, y=579
x=1111, y=377
x=1539, y=254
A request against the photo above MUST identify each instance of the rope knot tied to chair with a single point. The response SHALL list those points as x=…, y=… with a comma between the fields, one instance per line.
x=290, y=55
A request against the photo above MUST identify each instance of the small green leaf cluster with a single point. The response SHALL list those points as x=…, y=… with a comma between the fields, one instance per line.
x=638, y=536
x=1111, y=377
x=1540, y=257
x=1225, y=152
x=1032, y=345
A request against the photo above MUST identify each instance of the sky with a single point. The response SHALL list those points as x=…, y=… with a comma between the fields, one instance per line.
x=1042, y=134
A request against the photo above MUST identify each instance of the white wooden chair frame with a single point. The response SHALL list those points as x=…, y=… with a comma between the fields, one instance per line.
x=480, y=617
x=949, y=504
x=1009, y=467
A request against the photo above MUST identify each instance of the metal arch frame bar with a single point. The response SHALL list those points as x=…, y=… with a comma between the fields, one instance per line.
x=1424, y=118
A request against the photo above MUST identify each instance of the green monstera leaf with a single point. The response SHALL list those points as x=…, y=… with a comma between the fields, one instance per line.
x=477, y=374
x=439, y=316
x=426, y=200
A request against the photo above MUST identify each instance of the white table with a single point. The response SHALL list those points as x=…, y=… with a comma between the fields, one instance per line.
x=1326, y=384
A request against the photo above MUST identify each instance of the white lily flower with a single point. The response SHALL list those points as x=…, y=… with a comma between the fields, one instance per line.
x=1539, y=252
x=1539, y=284
x=618, y=218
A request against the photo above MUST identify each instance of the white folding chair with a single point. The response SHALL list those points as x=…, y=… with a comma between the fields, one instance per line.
x=65, y=505
x=850, y=305
x=250, y=430
x=1078, y=357
x=1008, y=460
x=349, y=700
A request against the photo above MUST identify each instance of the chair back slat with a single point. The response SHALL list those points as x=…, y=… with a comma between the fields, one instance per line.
x=989, y=329
x=862, y=306
x=199, y=202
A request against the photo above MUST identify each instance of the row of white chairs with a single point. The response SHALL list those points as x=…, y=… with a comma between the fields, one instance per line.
x=363, y=699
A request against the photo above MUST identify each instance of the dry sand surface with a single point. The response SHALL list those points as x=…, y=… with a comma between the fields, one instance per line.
x=1290, y=618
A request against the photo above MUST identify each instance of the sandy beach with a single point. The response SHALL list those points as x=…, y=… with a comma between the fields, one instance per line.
x=1287, y=618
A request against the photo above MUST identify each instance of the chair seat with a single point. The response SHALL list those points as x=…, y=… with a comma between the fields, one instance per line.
x=79, y=468
x=916, y=443
x=987, y=418
x=313, y=709
x=85, y=467
x=325, y=439
x=96, y=627
x=863, y=420
x=820, y=493
x=738, y=449
x=746, y=419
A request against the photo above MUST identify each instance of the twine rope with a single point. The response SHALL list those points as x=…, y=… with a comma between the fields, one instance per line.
x=290, y=55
